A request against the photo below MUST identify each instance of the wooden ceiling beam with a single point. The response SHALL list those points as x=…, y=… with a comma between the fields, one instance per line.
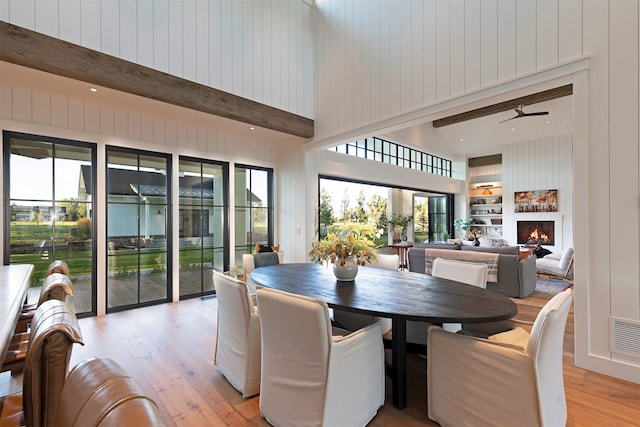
x=494, y=159
x=35, y=50
x=535, y=98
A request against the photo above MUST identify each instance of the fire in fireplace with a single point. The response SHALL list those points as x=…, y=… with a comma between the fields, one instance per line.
x=532, y=232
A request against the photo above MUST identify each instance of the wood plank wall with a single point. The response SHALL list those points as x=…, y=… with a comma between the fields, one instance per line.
x=259, y=50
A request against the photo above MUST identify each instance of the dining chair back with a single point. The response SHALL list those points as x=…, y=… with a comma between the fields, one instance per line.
x=471, y=273
x=251, y=261
x=311, y=377
x=237, y=351
x=53, y=332
x=387, y=261
x=58, y=266
x=467, y=376
x=99, y=393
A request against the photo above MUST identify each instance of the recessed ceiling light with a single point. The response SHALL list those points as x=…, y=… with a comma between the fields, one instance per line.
x=93, y=89
x=513, y=128
x=548, y=121
x=461, y=139
x=252, y=128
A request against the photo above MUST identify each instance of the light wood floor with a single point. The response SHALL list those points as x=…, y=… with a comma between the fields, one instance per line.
x=169, y=349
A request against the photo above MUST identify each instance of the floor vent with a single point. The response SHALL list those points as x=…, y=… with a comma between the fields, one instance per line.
x=625, y=336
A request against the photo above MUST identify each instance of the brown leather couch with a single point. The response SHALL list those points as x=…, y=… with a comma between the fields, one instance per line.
x=98, y=392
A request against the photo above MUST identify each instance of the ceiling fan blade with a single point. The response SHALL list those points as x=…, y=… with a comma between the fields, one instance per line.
x=510, y=119
x=540, y=113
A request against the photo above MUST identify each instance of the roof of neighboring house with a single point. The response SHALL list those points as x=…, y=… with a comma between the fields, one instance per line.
x=127, y=182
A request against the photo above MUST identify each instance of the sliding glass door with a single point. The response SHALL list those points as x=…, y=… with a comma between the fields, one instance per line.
x=202, y=224
x=138, y=218
x=48, y=202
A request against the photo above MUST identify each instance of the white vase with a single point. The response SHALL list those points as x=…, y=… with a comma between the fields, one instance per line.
x=345, y=269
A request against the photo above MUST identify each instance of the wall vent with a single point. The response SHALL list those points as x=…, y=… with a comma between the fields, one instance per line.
x=625, y=336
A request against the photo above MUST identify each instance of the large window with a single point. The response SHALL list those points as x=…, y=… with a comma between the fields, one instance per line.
x=202, y=224
x=48, y=202
x=389, y=152
x=138, y=218
x=343, y=203
x=253, y=209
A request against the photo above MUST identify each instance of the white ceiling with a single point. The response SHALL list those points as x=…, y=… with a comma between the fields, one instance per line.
x=486, y=136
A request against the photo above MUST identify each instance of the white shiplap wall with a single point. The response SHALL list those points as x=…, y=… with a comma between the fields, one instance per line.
x=372, y=55
x=381, y=58
x=258, y=49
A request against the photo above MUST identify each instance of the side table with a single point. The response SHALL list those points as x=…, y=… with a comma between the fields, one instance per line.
x=401, y=249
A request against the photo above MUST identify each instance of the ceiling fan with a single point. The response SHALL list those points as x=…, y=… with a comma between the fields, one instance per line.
x=520, y=113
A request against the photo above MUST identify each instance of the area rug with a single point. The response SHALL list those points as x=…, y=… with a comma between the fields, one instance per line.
x=545, y=290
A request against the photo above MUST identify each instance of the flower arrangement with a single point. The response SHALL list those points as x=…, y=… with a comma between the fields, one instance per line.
x=235, y=271
x=336, y=247
x=398, y=223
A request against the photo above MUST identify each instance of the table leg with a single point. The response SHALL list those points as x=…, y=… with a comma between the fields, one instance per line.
x=399, y=362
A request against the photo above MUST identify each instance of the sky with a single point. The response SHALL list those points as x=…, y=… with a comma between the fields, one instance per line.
x=31, y=178
x=336, y=190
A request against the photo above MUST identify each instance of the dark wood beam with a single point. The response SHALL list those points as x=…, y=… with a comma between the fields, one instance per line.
x=535, y=98
x=494, y=159
x=34, y=50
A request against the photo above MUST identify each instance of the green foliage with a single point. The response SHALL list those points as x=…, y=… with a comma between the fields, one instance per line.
x=235, y=271
x=400, y=221
x=465, y=226
x=326, y=210
x=359, y=214
x=83, y=227
x=75, y=210
x=421, y=212
x=377, y=212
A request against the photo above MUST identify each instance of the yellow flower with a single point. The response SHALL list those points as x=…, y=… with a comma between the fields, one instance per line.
x=338, y=246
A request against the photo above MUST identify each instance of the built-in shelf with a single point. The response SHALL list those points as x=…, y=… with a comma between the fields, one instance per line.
x=485, y=199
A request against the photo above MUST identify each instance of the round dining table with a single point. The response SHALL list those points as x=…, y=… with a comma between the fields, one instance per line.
x=399, y=295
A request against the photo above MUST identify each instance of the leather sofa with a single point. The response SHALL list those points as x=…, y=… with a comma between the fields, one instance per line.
x=516, y=277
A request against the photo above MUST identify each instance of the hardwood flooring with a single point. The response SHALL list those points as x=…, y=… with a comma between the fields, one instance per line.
x=169, y=349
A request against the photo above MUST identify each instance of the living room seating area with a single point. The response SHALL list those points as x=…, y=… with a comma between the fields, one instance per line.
x=516, y=277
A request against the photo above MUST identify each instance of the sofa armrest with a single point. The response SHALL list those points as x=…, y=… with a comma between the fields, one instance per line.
x=527, y=272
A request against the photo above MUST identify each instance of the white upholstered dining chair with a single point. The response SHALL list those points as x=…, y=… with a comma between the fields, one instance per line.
x=387, y=261
x=237, y=352
x=251, y=261
x=511, y=378
x=310, y=377
x=471, y=273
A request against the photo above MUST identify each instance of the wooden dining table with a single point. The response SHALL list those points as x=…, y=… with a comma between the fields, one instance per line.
x=399, y=295
x=14, y=284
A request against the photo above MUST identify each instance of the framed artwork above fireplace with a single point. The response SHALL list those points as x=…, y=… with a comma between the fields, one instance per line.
x=536, y=201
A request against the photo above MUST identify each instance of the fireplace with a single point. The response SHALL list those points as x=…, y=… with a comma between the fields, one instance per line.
x=532, y=232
